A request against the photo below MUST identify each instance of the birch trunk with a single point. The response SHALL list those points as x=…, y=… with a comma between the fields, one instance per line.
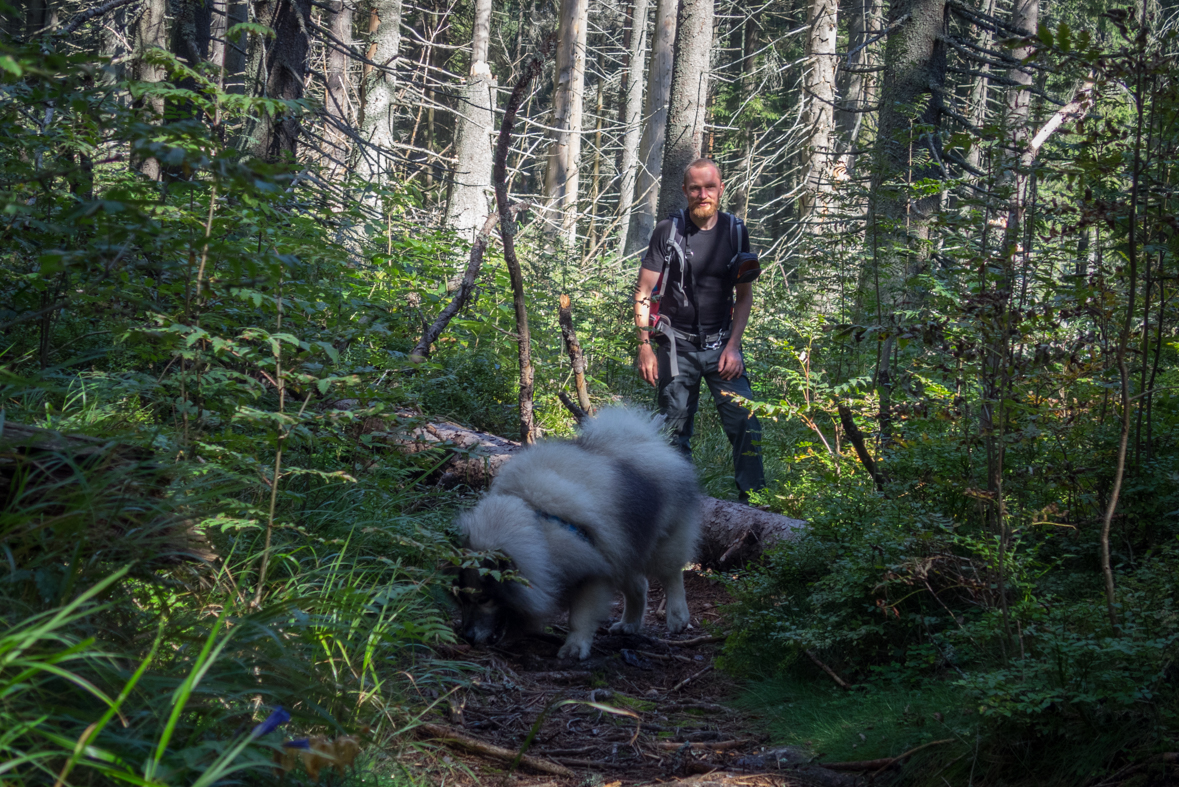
x=650, y=162
x=378, y=126
x=470, y=198
x=632, y=116
x=818, y=115
x=561, y=176
x=688, y=106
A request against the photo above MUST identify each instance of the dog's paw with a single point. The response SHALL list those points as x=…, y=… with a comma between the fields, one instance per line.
x=677, y=620
x=626, y=628
x=578, y=649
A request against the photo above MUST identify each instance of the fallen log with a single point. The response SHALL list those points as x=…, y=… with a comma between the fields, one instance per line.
x=733, y=534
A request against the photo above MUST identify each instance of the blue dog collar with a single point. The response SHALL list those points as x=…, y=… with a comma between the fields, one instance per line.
x=580, y=532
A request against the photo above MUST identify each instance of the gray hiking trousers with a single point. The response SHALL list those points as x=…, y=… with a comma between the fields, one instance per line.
x=679, y=398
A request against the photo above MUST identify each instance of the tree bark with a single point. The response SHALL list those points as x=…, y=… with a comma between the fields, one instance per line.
x=632, y=109
x=40, y=18
x=980, y=90
x=337, y=103
x=646, y=200
x=151, y=33
x=561, y=175
x=688, y=106
x=914, y=69
x=818, y=116
x=469, y=199
x=739, y=201
x=378, y=127
x=857, y=87
x=281, y=73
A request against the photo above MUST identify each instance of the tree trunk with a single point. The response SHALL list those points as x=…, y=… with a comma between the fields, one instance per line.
x=914, y=69
x=376, y=161
x=688, y=106
x=596, y=174
x=818, y=116
x=643, y=217
x=1014, y=162
x=739, y=202
x=190, y=40
x=151, y=32
x=857, y=86
x=979, y=92
x=470, y=194
x=281, y=72
x=632, y=109
x=337, y=103
x=561, y=176
x=41, y=18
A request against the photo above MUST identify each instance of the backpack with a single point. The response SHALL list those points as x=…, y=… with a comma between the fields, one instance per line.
x=743, y=269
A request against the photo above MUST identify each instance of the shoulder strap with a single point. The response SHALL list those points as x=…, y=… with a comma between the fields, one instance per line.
x=735, y=233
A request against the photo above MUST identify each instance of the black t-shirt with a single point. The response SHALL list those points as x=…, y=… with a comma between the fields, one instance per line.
x=708, y=253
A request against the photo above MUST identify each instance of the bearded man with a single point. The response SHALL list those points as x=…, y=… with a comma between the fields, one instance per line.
x=703, y=311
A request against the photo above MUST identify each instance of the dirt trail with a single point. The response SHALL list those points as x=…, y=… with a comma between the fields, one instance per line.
x=680, y=728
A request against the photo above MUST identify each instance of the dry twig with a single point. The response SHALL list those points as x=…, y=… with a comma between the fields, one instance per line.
x=449, y=736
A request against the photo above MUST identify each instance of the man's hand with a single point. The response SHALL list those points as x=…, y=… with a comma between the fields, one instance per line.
x=730, y=365
x=648, y=364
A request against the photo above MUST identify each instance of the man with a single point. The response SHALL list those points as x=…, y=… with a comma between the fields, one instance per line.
x=701, y=322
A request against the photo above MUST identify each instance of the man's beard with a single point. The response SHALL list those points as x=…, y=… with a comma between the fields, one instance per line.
x=702, y=212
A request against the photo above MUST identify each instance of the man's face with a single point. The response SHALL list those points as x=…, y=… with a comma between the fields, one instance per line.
x=703, y=188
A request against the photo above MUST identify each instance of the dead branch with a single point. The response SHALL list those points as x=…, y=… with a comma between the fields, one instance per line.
x=689, y=679
x=422, y=350
x=576, y=358
x=882, y=763
x=857, y=440
x=453, y=737
x=704, y=707
x=843, y=684
x=717, y=746
x=579, y=415
x=86, y=16
x=508, y=233
x=563, y=677
x=687, y=643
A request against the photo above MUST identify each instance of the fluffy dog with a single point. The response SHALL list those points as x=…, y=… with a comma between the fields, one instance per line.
x=579, y=519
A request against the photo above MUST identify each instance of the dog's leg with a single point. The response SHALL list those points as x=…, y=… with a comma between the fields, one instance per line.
x=634, y=607
x=589, y=605
x=677, y=601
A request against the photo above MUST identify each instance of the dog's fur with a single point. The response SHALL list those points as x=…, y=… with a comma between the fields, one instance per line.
x=579, y=519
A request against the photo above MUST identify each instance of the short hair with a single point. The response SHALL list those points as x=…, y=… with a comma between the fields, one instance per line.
x=701, y=162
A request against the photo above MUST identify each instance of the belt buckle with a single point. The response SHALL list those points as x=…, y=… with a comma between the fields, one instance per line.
x=714, y=345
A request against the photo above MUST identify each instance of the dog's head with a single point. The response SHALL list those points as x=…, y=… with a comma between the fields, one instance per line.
x=480, y=590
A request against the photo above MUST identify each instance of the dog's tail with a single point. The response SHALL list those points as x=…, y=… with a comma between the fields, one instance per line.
x=619, y=429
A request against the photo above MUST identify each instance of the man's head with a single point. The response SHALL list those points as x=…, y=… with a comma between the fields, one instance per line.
x=703, y=188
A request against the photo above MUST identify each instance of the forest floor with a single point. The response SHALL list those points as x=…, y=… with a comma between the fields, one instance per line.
x=680, y=728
